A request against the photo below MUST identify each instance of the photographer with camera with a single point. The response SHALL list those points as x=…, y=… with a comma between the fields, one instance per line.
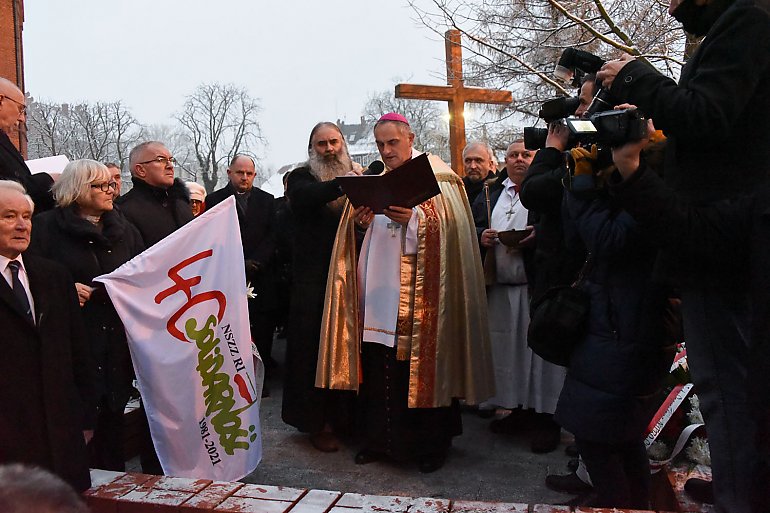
x=619, y=363
x=711, y=157
x=541, y=194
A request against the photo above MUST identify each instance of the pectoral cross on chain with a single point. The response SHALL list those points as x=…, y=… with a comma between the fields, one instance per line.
x=393, y=226
x=511, y=210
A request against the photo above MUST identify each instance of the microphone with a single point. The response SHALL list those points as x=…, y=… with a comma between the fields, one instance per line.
x=374, y=168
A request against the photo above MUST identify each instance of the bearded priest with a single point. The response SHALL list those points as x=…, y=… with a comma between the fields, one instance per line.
x=316, y=203
x=405, y=319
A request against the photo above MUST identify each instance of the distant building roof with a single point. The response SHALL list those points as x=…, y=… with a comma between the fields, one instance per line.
x=360, y=139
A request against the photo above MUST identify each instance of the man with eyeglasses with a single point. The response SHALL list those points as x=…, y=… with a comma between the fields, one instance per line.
x=13, y=111
x=158, y=203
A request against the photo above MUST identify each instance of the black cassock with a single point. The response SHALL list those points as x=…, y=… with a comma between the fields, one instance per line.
x=315, y=227
x=389, y=426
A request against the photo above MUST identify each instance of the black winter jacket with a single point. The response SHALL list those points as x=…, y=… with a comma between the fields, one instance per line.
x=156, y=212
x=13, y=167
x=719, y=233
x=67, y=238
x=717, y=119
x=617, y=369
x=542, y=193
x=257, y=226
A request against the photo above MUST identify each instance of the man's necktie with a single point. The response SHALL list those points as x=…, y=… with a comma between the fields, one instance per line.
x=18, y=289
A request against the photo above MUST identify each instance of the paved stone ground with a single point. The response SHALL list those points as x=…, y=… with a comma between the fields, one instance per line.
x=481, y=465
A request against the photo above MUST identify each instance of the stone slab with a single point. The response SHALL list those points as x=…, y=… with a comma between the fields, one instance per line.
x=104, y=498
x=179, y=484
x=210, y=497
x=488, y=507
x=316, y=501
x=101, y=477
x=238, y=504
x=151, y=500
x=393, y=504
x=610, y=510
x=278, y=493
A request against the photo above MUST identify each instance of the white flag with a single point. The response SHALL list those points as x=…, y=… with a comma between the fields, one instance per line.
x=183, y=303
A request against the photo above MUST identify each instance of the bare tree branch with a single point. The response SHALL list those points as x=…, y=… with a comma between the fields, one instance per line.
x=220, y=121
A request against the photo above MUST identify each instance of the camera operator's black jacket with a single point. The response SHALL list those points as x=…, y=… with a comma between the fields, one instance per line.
x=717, y=119
x=542, y=192
x=735, y=231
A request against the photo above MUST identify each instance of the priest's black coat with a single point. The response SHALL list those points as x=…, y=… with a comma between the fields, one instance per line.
x=315, y=227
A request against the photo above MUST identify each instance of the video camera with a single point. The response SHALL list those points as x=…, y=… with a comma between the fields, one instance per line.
x=600, y=125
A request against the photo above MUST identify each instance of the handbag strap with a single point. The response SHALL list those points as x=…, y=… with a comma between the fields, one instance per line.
x=587, y=265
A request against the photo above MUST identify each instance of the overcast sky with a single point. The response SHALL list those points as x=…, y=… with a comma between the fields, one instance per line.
x=305, y=60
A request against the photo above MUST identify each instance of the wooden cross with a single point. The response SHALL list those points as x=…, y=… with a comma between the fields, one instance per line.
x=456, y=94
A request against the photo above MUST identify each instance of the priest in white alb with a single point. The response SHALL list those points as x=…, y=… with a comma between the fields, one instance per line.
x=405, y=318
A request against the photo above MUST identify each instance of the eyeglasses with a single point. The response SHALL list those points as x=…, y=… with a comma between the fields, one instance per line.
x=161, y=160
x=22, y=107
x=105, y=187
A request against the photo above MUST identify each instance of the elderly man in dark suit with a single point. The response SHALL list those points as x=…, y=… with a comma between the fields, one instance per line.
x=46, y=374
x=13, y=111
x=256, y=217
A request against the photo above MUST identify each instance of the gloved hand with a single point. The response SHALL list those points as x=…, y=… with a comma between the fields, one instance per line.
x=584, y=160
x=583, y=170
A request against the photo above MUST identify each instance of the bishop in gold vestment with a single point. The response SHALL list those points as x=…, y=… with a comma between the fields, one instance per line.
x=423, y=343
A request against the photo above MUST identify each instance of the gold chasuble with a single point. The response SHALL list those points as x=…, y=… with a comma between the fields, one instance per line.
x=442, y=324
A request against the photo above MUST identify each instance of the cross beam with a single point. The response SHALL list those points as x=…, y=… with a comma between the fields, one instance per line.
x=456, y=94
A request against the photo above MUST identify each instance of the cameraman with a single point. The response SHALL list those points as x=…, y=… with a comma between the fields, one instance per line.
x=717, y=120
x=541, y=194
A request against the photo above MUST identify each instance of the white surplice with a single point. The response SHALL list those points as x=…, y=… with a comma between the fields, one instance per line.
x=521, y=377
x=379, y=276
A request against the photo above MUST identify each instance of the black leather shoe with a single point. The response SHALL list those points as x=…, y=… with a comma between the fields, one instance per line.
x=569, y=483
x=700, y=490
x=431, y=463
x=365, y=456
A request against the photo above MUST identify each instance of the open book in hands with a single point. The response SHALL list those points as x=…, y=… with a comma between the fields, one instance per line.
x=406, y=186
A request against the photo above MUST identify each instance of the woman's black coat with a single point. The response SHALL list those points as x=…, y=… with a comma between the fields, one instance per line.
x=620, y=365
x=62, y=235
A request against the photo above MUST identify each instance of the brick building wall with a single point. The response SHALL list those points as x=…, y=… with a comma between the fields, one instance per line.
x=11, y=53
